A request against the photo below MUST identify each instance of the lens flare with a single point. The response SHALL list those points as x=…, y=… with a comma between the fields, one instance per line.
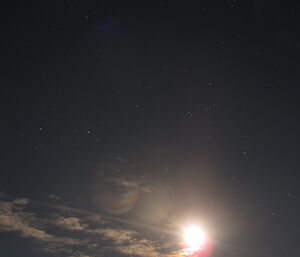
x=116, y=202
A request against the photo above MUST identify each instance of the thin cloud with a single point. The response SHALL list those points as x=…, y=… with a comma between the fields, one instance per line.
x=13, y=218
x=70, y=223
x=131, y=183
x=129, y=242
x=54, y=197
x=119, y=236
x=18, y=216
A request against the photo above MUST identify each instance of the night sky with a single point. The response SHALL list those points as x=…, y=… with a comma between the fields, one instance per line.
x=124, y=121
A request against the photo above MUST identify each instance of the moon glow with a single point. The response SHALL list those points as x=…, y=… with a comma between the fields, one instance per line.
x=194, y=237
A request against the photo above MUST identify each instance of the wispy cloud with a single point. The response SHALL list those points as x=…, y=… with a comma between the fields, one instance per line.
x=115, y=166
x=19, y=216
x=13, y=218
x=129, y=242
x=137, y=184
x=70, y=223
x=119, y=236
x=54, y=197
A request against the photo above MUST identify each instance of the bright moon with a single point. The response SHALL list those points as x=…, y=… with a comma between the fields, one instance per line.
x=194, y=237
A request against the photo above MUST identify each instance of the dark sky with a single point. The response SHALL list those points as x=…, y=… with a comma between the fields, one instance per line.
x=122, y=121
